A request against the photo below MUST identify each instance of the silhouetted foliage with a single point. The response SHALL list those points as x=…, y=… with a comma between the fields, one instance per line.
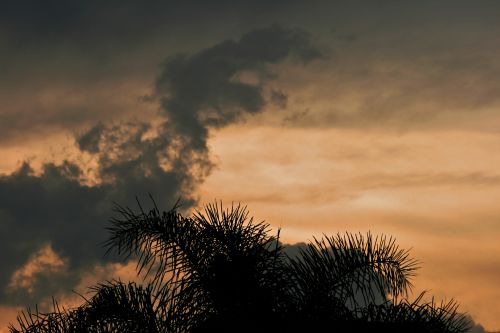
x=220, y=271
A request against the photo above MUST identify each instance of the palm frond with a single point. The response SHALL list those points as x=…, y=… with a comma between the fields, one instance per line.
x=353, y=269
x=418, y=316
x=36, y=321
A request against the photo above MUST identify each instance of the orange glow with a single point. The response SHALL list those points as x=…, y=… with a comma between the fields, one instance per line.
x=436, y=192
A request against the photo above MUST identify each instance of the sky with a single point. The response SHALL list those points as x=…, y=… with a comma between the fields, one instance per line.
x=320, y=116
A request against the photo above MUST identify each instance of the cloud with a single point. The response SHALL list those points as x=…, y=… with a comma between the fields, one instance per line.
x=51, y=208
x=478, y=328
x=56, y=206
x=45, y=260
x=403, y=67
x=386, y=90
x=69, y=66
x=43, y=270
x=118, y=22
x=201, y=91
x=67, y=204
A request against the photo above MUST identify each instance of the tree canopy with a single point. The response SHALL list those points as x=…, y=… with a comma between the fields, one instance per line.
x=219, y=270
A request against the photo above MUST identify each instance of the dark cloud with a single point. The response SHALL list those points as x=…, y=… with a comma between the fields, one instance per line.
x=113, y=22
x=67, y=205
x=296, y=117
x=53, y=207
x=293, y=250
x=66, y=66
x=388, y=57
x=279, y=98
x=477, y=328
x=90, y=140
x=201, y=91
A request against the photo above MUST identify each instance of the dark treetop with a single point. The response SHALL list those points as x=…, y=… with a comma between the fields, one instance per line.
x=219, y=270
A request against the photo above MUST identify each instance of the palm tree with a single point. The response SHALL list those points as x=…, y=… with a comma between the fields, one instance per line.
x=219, y=270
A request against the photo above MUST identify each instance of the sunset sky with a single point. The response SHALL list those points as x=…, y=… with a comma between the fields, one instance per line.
x=320, y=116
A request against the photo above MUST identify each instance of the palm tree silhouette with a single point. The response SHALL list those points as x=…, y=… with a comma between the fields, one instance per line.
x=219, y=270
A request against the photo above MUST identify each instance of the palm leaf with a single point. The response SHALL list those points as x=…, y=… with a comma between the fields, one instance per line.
x=353, y=269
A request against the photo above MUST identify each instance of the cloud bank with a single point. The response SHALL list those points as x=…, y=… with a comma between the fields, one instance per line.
x=64, y=207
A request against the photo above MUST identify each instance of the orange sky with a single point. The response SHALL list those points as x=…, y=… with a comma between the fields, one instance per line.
x=416, y=187
x=321, y=116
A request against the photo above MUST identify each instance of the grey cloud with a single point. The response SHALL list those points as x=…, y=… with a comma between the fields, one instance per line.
x=90, y=140
x=293, y=250
x=411, y=66
x=66, y=66
x=403, y=54
x=56, y=208
x=198, y=93
x=33, y=22
x=296, y=117
x=279, y=98
x=49, y=208
x=453, y=86
x=478, y=328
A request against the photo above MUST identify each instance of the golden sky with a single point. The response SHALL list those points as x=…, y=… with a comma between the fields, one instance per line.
x=416, y=187
x=321, y=116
